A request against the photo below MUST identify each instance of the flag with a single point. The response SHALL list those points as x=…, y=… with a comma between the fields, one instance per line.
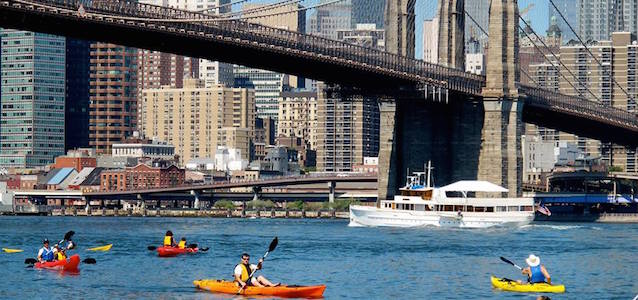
x=544, y=210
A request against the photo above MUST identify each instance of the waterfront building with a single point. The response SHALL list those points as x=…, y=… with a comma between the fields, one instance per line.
x=113, y=95
x=370, y=165
x=76, y=121
x=141, y=177
x=305, y=156
x=347, y=131
x=298, y=116
x=230, y=159
x=365, y=35
x=431, y=41
x=77, y=159
x=618, y=59
x=238, y=138
x=153, y=149
x=192, y=118
x=265, y=131
x=32, y=98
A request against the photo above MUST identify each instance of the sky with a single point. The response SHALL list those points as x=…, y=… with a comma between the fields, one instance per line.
x=425, y=9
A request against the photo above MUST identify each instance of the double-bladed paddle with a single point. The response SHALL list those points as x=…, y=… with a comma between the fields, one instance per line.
x=510, y=262
x=271, y=248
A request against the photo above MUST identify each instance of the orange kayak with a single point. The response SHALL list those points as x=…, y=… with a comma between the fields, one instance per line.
x=69, y=264
x=285, y=291
x=165, y=251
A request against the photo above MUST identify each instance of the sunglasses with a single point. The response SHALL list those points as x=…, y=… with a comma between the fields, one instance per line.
x=245, y=258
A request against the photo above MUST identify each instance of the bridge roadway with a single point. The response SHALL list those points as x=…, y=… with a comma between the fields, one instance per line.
x=198, y=35
x=203, y=188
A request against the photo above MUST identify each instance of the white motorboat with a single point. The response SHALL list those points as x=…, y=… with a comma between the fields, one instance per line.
x=454, y=205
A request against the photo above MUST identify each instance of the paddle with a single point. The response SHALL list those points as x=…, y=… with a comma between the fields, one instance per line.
x=31, y=261
x=89, y=261
x=510, y=262
x=271, y=248
x=151, y=248
x=67, y=237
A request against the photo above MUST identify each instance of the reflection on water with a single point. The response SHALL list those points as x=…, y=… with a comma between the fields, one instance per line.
x=594, y=261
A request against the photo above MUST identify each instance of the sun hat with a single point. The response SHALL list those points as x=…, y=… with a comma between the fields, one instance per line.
x=533, y=260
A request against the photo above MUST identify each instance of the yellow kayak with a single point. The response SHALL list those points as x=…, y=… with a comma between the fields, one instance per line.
x=513, y=286
x=11, y=250
x=101, y=248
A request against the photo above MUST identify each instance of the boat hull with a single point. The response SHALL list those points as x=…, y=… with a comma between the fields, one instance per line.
x=513, y=286
x=373, y=216
x=229, y=287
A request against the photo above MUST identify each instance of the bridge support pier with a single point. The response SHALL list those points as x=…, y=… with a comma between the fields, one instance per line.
x=387, y=151
x=501, y=158
x=331, y=191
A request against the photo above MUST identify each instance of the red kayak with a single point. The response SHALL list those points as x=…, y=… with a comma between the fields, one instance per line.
x=166, y=251
x=69, y=264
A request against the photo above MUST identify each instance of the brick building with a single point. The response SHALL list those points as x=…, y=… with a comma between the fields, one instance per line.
x=141, y=177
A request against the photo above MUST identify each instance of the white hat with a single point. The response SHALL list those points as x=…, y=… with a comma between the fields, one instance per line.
x=533, y=260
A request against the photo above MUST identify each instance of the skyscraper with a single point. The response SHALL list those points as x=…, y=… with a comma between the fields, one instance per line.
x=326, y=20
x=599, y=18
x=32, y=98
x=368, y=12
x=113, y=95
x=570, y=9
x=78, y=54
x=479, y=10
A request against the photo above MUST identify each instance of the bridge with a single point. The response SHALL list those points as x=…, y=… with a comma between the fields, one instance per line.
x=481, y=118
x=204, y=192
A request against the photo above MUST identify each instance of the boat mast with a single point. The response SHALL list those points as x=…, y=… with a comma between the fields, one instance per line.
x=429, y=170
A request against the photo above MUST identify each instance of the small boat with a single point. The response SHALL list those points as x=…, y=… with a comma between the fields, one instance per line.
x=101, y=248
x=513, y=286
x=165, y=251
x=69, y=264
x=7, y=250
x=284, y=291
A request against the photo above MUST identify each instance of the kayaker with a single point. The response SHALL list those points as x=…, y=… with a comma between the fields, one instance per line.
x=182, y=243
x=45, y=253
x=245, y=268
x=60, y=253
x=168, y=239
x=536, y=273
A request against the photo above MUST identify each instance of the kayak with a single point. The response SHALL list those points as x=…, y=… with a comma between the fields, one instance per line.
x=69, y=264
x=513, y=286
x=7, y=250
x=290, y=291
x=101, y=248
x=165, y=251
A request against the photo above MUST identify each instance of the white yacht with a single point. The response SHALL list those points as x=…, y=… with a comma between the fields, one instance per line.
x=454, y=205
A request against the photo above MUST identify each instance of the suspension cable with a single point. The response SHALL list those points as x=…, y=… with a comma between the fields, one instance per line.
x=555, y=57
x=587, y=48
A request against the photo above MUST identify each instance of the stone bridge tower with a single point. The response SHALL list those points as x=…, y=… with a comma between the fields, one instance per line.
x=452, y=33
x=500, y=159
x=399, y=27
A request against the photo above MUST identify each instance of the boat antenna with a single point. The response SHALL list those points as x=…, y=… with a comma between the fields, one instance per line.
x=429, y=170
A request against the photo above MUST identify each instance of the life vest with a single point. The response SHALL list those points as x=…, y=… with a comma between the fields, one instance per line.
x=537, y=275
x=60, y=256
x=168, y=240
x=47, y=254
x=245, y=272
x=182, y=244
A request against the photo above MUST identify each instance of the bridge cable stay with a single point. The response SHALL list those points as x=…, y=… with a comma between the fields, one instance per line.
x=589, y=51
x=580, y=83
x=522, y=70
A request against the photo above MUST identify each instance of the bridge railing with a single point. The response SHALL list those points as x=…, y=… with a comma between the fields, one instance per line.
x=580, y=106
x=400, y=66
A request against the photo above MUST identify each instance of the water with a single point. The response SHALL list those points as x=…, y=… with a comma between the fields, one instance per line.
x=594, y=261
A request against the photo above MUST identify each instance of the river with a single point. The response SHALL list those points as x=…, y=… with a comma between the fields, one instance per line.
x=594, y=261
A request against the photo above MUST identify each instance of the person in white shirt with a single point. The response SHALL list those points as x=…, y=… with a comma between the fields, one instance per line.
x=243, y=271
x=46, y=253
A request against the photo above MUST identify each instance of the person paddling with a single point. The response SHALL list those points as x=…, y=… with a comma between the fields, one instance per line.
x=60, y=252
x=45, y=253
x=536, y=273
x=182, y=243
x=168, y=239
x=243, y=271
